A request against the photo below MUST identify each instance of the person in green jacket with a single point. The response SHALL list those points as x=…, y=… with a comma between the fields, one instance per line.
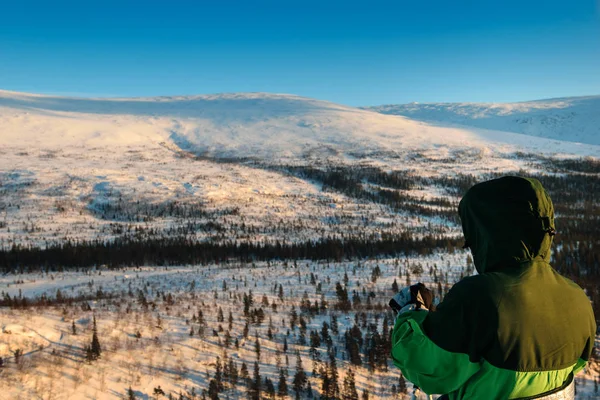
x=518, y=329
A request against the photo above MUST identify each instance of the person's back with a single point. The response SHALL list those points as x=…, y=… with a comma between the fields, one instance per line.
x=518, y=329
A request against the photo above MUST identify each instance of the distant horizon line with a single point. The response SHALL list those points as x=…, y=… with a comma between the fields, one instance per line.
x=84, y=96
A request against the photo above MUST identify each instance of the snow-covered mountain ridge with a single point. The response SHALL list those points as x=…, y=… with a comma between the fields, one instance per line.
x=575, y=119
x=268, y=126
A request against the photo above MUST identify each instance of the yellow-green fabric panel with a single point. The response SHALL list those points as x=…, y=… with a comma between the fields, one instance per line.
x=437, y=371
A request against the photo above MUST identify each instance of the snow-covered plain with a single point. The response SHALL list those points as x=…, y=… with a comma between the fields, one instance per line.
x=166, y=356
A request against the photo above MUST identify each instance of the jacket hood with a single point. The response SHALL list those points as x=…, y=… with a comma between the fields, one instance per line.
x=506, y=222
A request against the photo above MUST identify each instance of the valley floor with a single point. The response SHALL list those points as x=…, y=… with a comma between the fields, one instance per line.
x=175, y=329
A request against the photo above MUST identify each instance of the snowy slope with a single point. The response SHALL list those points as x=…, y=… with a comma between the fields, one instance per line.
x=247, y=125
x=575, y=119
x=63, y=160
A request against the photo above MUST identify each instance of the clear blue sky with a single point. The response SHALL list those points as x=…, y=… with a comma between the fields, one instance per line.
x=358, y=53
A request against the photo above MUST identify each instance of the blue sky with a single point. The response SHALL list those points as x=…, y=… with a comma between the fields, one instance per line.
x=356, y=53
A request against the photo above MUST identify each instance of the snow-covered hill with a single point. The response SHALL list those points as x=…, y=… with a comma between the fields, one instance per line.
x=259, y=125
x=75, y=168
x=575, y=119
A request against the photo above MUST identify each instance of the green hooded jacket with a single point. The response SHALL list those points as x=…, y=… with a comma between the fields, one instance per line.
x=517, y=329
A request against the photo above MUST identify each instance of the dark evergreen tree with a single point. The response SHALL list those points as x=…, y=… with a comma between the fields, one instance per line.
x=246, y=330
x=325, y=384
x=269, y=388
x=300, y=378
x=334, y=389
x=325, y=335
x=95, y=349
x=257, y=347
x=402, y=385
x=270, y=329
x=280, y=292
x=349, y=392
x=282, y=387
x=293, y=318
x=334, y=325
x=255, y=387
x=219, y=375
x=353, y=341
x=315, y=342
x=213, y=390
x=244, y=372
x=343, y=303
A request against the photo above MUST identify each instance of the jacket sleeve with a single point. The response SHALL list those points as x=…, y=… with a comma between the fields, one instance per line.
x=433, y=369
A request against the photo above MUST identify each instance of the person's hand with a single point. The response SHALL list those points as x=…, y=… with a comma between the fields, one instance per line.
x=415, y=297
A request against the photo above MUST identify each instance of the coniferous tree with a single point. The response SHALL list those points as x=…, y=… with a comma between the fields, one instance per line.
x=349, y=392
x=270, y=329
x=73, y=329
x=219, y=375
x=233, y=372
x=343, y=303
x=213, y=390
x=255, y=387
x=353, y=339
x=248, y=302
x=334, y=325
x=402, y=385
x=300, y=378
x=325, y=383
x=257, y=347
x=315, y=342
x=244, y=372
x=246, y=330
x=334, y=389
x=269, y=388
x=282, y=388
x=293, y=318
x=95, y=345
x=325, y=335
x=93, y=351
